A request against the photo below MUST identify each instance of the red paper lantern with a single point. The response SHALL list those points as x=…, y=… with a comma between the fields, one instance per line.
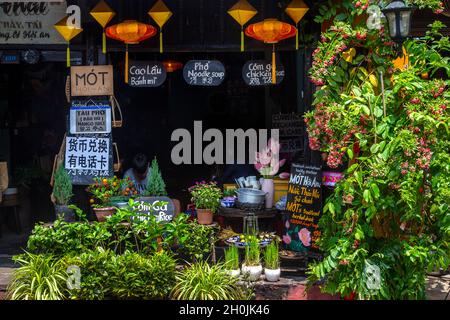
x=271, y=31
x=172, y=65
x=130, y=32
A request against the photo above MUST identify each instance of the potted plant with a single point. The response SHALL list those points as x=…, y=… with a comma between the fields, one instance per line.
x=62, y=193
x=268, y=164
x=232, y=261
x=102, y=190
x=206, y=197
x=272, y=269
x=252, y=267
x=155, y=184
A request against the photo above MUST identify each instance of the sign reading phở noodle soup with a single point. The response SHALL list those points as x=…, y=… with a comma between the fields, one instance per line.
x=259, y=73
x=31, y=22
x=304, y=205
x=92, y=81
x=88, y=157
x=86, y=119
x=161, y=207
x=204, y=72
x=146, y=74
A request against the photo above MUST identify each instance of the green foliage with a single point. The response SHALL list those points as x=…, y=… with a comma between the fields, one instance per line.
x=155, y=183
x=200, y=281
x=271, y=258
x=39, y=277
x=62, y=188
x=196, y=241
x=127, y=276
x=232, y=258
x=391, y=212
x=206, y=195
x=252, y=252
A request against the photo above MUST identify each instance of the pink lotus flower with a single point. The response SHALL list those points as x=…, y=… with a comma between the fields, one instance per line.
x=284, y=175
x=286, y=239
x=305, y=236
x=267, y=161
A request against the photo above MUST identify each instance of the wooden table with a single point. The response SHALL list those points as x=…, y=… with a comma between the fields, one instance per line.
x=266, y=218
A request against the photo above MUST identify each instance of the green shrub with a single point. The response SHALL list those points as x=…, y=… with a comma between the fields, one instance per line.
x=252, y=252
x=232, y=258
x=62, y=188
x=39, y=277
x=105, y=275
x=271, y=258
x=155, y=183
x=196, y=241
x=200, y=281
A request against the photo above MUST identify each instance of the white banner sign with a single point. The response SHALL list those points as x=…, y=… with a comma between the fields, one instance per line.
x=90, y=119
x=31, y=22
x=84, y=153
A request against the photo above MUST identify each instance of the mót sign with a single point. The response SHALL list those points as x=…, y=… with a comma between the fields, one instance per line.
x=304, y=205
x=146, y=74
x=92, y=81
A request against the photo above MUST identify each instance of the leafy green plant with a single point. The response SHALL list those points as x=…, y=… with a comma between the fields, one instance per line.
x=271, y=257
x=390, y=211
x=232, y=258
x=155, y=183
x=252, y=252
x=196, y=241
x=62, y=188
x=206, y=195
x=201, y=281
x=39, y=277
x=104, y=190
x=105, y=275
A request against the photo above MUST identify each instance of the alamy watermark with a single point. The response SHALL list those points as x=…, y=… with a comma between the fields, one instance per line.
x=236, y=147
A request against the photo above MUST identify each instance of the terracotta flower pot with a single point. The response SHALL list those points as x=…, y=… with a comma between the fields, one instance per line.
x=204, y=216
x=102, y=213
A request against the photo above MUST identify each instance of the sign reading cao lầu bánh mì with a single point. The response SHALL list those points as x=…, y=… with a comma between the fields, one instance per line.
x=146, y=74
x=85, y=119
x=88, y=157
x=92, y=81
x=204, y=72
x=161, y=207
x=31, y=22
x=259, y=73
x=304, y=205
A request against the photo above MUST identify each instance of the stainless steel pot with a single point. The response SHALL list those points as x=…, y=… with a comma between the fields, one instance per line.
x=252, y=196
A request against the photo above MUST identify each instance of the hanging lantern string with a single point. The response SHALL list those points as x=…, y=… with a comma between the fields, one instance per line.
x=296, y=37
x=161, y=40
x=242, y=38
x=68, y=55
x=104, y=41
x=274, y=66
x=126, y=63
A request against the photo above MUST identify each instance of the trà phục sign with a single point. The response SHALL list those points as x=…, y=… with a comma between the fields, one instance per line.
x=92, y=81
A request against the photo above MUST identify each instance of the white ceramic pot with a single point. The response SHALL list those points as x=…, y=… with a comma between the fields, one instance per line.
x=234, y=273
x=267, y=186
x=252, y=272
x=272, y=275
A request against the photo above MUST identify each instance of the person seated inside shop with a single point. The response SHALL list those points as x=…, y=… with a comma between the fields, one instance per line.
x=139, y=172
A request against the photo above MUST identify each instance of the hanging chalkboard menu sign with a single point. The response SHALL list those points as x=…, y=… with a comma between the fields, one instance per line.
x=259, y=73
x=88, y=157
x=146, y=74
x=161, y=207
x=304, y=207
x=204, y=72
x=90, y=117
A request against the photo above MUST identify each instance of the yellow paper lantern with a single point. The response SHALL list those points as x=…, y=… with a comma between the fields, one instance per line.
x=296, y=10
x=68, y=33
x=103, y=14
x=160, y=13
x=242, y=12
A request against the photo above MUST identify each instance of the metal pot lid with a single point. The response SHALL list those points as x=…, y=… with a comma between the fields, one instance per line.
x=251, y=192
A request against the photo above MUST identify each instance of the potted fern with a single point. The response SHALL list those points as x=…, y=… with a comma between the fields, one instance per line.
x=272, y=269
x=62, y=193
x=252, y=267
x=232, y=261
